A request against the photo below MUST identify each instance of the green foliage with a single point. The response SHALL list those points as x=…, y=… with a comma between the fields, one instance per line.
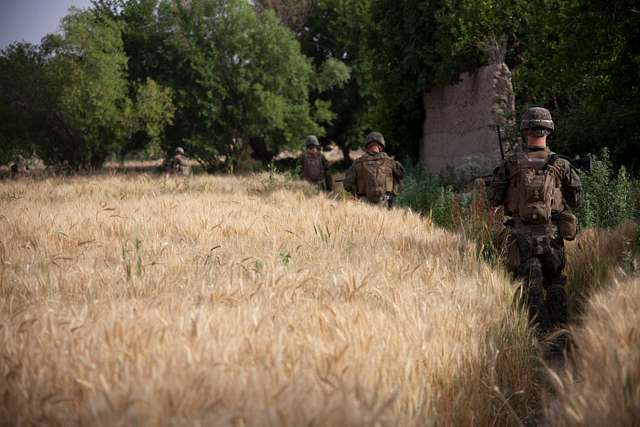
x=332, y=74
x=155, y=110
x=419, y=45
x=22, y=109
x=335, y=38
x=236, y=75
x=580, y=58
x=84, y=108
x=284, y=257
x=609, y=198
x=89, y=65
x=424, y=193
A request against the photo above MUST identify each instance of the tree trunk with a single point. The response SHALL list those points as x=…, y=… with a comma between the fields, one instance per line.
x=260, y=151
x=346, y=153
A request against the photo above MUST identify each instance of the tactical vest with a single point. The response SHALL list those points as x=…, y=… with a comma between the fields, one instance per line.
x=178, y=165
x=312, y=167
x=534, y=192
x=374, y=177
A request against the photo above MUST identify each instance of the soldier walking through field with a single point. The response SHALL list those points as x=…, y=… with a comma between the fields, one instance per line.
x=19, y=167
x=314, y=166
x=177, y=165
x=375, y=177
x=538, y=190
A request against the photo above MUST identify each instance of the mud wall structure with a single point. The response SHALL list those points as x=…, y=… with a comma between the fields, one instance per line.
x=461, y=120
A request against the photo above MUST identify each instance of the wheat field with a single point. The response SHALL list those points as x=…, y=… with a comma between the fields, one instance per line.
x=248, y=301
x=601, y=383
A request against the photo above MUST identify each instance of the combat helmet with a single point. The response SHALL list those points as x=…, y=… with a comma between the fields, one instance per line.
x=180, y=151
x=538, y=120
x=312, y=141
x=375, y=137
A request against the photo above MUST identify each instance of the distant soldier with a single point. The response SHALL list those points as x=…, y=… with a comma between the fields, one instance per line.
x=36, y=165
x=537, y=189
x=375, y=177
x=177, y=165
x=19, y=167
x=314, y=166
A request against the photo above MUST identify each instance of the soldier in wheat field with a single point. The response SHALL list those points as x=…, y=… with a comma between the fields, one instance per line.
x=375, y=177
x=538, y=190
x=314, y=166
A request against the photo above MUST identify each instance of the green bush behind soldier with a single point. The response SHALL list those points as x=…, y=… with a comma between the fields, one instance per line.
x=313, y=165
x=538, y=190
x=375, y=177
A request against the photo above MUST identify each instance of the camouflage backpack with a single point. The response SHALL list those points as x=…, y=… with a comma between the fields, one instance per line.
x=312, y=167
x=534, y=193
x=374, y=176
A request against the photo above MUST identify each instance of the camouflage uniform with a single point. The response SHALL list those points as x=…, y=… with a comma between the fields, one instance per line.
x=19, y=167
x=535, y=252
x=375, y=177
x=178, y=163
x=314, y=166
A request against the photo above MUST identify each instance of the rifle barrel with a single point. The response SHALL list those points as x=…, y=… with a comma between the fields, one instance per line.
x=500, y=141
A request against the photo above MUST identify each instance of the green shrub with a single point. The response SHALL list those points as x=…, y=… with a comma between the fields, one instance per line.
x=424, y=193
x=609, y=198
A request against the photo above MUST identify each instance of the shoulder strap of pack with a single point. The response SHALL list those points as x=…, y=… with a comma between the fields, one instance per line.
x=553, y=158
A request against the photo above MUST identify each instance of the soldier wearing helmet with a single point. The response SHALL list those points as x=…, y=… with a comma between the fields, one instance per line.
x=375, y=177
x=19, y=167
x=538, y=190
x=313, y=165
x=177, y=165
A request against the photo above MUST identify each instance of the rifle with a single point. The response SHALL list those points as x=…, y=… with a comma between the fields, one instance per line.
x=580, y=164
x=500, y=141
x=487, y=179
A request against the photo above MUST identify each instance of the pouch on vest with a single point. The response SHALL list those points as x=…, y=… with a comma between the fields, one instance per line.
x=509, y=248
x=567, y=224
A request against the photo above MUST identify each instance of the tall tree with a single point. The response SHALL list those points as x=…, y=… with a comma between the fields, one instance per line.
x=25, y=97
x=591, y=87
x=237, y=75
x=336, y=33
x=76, y=85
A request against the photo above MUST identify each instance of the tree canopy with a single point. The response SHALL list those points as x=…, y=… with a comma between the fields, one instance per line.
x=215, y=76
x=74, y=91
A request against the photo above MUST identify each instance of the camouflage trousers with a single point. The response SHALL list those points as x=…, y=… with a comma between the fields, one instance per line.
x=538, y=260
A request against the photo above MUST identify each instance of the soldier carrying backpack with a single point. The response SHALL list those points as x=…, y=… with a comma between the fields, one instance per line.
x=538, y=190
x=314, y=166
x=375, y=177
x=177, y=165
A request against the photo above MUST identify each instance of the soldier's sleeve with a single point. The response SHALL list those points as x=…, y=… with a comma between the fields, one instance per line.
x=398, y=171
x=497, y=192
x=350, y=181
x=571, y=186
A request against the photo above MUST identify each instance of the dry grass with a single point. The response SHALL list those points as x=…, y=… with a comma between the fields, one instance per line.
x=236, y=301
x=596, y=258
x=601, y=384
